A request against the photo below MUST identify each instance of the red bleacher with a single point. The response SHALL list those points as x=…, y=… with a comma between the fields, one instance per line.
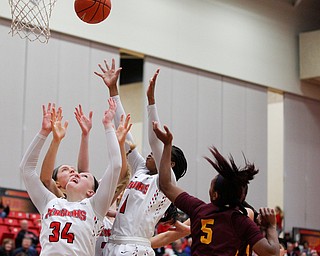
x=10, y=226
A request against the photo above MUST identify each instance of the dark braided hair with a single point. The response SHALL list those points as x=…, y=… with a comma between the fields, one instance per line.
x=180, y=167
x=231, y=181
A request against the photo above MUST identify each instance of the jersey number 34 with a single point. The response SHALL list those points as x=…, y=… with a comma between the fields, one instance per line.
x=61, y=233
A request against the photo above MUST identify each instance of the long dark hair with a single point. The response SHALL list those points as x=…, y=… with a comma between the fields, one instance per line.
x=231, y=180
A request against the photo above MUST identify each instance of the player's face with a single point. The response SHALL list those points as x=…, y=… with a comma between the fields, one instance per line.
x=64, y=174
x=212, y=190
x=151, y=165
x=81, y=182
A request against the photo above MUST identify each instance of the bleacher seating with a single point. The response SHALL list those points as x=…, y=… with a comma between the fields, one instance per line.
x=34, y=216
x=10, y=226
x=4, y=229
x=11, y=222
x=18, y=215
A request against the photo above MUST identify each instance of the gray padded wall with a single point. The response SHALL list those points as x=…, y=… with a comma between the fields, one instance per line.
x=204, y=109
x=61, y=72
x=12, y=68
x=301, y=162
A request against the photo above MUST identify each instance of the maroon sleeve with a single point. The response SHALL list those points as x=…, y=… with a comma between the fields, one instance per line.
x=187, y=203
x=246, y=228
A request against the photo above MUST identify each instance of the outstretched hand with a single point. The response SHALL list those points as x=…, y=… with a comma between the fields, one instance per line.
x=58, y=130
x=123, y=128
x=109, y=113
x=267, y=217
x=46, y=117
x=109, y=75
x=151, y=88
x=166, y=137
x=84, y=122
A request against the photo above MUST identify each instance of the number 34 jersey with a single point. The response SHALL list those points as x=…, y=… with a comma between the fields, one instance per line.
x=69, y=228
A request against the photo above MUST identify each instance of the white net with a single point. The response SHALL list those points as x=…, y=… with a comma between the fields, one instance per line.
x=30, y=19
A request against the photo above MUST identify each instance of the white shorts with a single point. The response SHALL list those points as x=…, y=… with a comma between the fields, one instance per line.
x=133, y=246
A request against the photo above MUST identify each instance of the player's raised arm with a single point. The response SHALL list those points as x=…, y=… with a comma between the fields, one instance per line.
x=110, y=75
x=45, y=131
x=155, y=144
x=180, y=230
x=166, y=184
x=38, y=193
x=85, y=124
x=47, y=168
x=122, y=131
x=101, y=201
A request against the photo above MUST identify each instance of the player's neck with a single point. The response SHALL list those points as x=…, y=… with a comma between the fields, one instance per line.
x=75, y=197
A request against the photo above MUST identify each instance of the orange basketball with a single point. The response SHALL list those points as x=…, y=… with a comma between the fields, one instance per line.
x=92, y=11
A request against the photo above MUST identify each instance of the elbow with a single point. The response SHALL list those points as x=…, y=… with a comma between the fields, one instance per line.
x=22, y=169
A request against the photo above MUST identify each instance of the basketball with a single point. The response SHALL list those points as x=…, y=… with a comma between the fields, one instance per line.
x=92, y=11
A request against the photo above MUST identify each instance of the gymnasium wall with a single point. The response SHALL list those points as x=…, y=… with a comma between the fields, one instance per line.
x=254, y=41
x=301, y=162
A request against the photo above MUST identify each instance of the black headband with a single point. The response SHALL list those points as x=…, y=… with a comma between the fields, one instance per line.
x=55, y=173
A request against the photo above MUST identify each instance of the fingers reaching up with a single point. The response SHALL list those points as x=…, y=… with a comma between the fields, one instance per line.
x=58, y=129
x=84, y=122
x=46, y=117
x=151, y=88
x=109, y=113
x=109, y=74
x=123, y=128
x=165, y=136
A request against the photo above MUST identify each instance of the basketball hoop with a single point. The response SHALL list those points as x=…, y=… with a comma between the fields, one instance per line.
x=30, y=19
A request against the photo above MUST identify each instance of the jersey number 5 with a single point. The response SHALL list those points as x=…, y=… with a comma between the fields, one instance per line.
x=206, y=239
x=56, y=226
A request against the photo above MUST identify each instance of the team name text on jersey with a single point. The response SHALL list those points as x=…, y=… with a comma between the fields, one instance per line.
x=80, y=214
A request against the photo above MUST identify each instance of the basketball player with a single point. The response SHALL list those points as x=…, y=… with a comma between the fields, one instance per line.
x=218, y=228
x=180, y=230
x=142, y=204
x=61, y=174
x=70, y=225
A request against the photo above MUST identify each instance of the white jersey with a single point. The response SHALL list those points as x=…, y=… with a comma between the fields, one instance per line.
x=70, y=228
x=141, y=207
x=142, y=204
x=103, y=237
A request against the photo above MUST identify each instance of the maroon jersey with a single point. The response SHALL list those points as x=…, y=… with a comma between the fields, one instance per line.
x=214, y=232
